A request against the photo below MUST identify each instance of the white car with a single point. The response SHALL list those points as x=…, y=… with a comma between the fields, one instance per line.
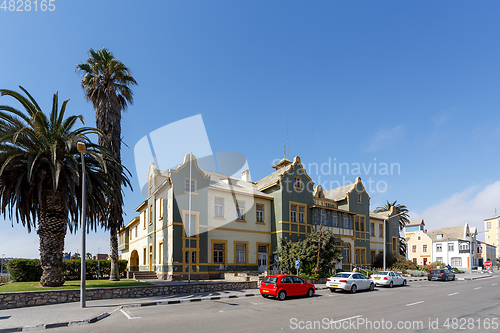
x=388, y=278
x=351, y=281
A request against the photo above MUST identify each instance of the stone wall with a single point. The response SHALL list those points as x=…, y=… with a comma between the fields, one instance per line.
x=241, y=276
x=33, y=298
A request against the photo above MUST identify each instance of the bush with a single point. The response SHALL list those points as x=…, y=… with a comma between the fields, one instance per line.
x=29, y=270
x=438, y=263
x=403, y=264
x=416, y=273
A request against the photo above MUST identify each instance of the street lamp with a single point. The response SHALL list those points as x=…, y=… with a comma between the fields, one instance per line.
x=3, y=255
x=82, y=149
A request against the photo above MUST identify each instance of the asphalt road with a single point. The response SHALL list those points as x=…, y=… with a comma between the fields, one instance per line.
x=422, y=306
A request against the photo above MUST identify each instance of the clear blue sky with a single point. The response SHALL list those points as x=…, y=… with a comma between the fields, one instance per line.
x=408, y=82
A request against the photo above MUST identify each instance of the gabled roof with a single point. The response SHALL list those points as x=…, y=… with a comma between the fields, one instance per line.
x=282, y=168
x=340, y=193
x=234, y=184
x=449, y=233
x=416, y=222
x=377, y=216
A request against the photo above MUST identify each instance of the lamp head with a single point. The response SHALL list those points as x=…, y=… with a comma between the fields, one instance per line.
x=81, y=147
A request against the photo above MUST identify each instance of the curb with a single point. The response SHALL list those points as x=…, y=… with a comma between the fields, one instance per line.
x=201, y=299
x=474, y=278
x=55, y=325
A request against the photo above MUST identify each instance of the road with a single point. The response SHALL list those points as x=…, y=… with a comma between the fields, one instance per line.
x=420, y=307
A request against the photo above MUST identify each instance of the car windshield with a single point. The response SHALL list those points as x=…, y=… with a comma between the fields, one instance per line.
x=435, y=271
x=381, y=273
x=270, y=279
x=342, y=275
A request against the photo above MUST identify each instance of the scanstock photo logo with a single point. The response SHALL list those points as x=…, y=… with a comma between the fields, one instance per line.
x=167, y=150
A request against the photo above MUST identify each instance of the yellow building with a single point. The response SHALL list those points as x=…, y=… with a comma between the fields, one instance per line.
x=485, y=252
x=492, y=233
x=419, y=248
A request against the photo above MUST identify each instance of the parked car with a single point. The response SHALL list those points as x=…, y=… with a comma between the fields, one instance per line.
x=351, y=281
x=281, y=286
x=388, y=278
x=441, y=274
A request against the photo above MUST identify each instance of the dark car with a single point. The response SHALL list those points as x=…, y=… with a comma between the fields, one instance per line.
x=441, y=274
x=281, y=286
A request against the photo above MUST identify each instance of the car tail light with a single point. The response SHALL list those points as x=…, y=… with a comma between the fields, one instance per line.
x=441, y=273
x=429, y=273
x=385, y=278
x=343, y=281
x=328, y=280
x=371, y=276
x=275, y=286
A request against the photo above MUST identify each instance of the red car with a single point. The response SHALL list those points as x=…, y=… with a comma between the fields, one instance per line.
x=284, y=285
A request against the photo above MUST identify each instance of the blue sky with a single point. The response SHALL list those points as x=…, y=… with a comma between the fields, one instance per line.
x=407, y=82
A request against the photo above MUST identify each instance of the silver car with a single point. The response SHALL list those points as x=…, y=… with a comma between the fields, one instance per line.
x=388, y=278
x=351, y=281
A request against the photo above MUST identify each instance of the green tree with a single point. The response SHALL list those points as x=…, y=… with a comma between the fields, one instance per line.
x=307, y=252
x=106, y=82
x=40, y=176
x=403, y=218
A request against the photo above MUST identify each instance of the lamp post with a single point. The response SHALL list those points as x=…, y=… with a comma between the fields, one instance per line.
x=82, y=149
x=3, y=255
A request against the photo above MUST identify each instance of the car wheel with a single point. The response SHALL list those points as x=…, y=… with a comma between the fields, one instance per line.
x=332, y=290
x=265, y=296
x=310, y=293
x=354, y=289
x=372, y=286
x=404, y=283
x=391, y=284
x=282, y=295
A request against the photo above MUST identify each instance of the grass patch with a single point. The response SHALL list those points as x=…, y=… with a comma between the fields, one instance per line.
x=35, y=286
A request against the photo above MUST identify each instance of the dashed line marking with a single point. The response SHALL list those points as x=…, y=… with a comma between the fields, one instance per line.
x=452, y=294
x=494, y=284
x=477, y=288
x=337, y=321
x=414, y=303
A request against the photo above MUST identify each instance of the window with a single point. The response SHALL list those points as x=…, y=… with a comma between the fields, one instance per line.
x=381, y=230
x=136, y=228
x=346, y=222
x=193, y=257
x=359, y=197
x=372, y=229
x=415, y=260
x=362, y=223
x=190, y=185
x=439, y=248
x=190, y=224
x=160, y=253
x=297, y=183
x=144, y=256
x=424, y=248
x=347, y=253
x=144, y=219
x=240, y=253
x=219, y=253
x=362, y=257
x=419, y=238
x=219, y=207
x=464, y=246
x=372, y=257
x=293, y=213
x=456, y=261
x=150, y=214
x=160, y=210
x=395, y=244
x=413, y=249
x=259, y=208
x=488, y=225
x=335, y=220
x=240, y=210
x=301, y=214
x=356, y=223
x=439, y=259
x=450, y=247
x=440, y=236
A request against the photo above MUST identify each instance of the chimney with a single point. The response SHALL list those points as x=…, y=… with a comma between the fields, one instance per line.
x=245, y=175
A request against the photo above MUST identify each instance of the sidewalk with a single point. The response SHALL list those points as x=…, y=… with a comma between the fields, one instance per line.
x=68, y=314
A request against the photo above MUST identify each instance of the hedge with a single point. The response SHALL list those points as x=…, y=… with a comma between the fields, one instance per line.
x=29, y=270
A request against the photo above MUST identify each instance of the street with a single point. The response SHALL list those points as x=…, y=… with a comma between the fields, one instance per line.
x=421, y=306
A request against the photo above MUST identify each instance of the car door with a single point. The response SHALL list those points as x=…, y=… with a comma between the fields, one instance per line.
x=299, y=285
x=392, y=277
x=398, y=279
x=288, y=285
x=361, y=281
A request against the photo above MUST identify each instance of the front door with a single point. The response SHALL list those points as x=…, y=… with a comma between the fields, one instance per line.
x=150, y=258
x=425, y=261
x=262, y=258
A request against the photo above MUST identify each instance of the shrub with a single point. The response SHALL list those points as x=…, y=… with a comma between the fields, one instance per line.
x=403, y=264
x=416, y=273
x=438, y=263
x=29, y=270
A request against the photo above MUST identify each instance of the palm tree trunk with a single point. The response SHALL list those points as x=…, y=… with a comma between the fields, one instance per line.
x=114, y=274
x=52, y=231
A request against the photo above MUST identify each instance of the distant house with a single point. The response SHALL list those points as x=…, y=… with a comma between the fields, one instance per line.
x=492, y=233
x=454, y=245
x=412, y=227
x=485, y=252
x=419, y=248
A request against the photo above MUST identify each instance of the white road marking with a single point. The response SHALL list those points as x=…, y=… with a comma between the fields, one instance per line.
x=494, y=284
x=414, y=303
x=333, y=322
x=127, y=315
x=477, y=288
x=452, y=294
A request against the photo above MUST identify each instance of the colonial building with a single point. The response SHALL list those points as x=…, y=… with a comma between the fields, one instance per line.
x=492, y=233
x=228, y=223
x=454, y=245
x=419, y=248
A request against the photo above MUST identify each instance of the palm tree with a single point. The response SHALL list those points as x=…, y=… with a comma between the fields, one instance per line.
x=106, y=82
x=403, y=217
x=40, y=176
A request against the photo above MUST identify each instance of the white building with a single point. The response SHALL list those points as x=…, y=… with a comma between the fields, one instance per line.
x=454, y=246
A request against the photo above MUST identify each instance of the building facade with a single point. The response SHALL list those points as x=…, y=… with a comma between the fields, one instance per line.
x=492, y=233
x=201, y=223
x=454, y=246
x=419, y=248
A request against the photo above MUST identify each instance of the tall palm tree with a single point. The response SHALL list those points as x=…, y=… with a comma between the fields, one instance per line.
x=40, y=176
x=403, y=218
x=106, y=82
